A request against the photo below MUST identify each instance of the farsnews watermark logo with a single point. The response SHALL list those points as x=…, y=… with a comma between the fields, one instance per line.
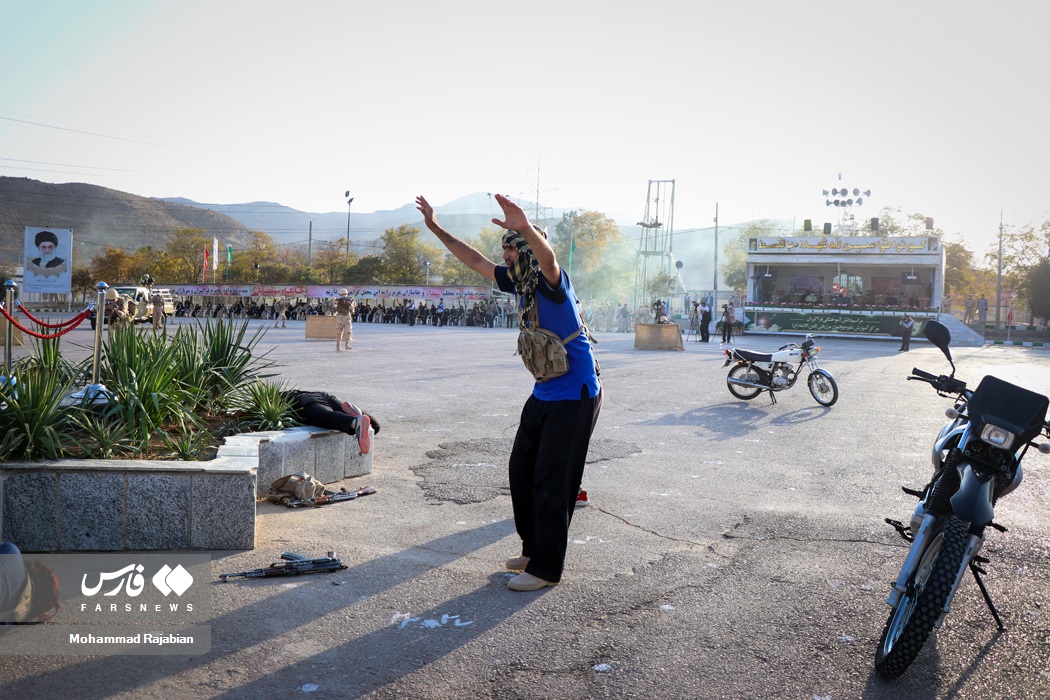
x=129, y=582
x=169, y=580
x=166, y=580
x=140, y=603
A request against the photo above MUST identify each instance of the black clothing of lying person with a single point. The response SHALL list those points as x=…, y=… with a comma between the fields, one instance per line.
x=323, y=410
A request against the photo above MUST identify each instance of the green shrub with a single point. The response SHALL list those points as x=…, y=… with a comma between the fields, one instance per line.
x=141, y=371
x=101, y=435
x=33, y=420
x=188, y=446
x=216, y=358
x=262, y=406
x=47, y=356
x=160, y=385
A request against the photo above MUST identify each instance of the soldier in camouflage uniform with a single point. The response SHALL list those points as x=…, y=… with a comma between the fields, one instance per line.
x=344, y=309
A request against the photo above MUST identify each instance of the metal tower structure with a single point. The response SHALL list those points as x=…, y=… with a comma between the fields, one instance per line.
x=655, y=254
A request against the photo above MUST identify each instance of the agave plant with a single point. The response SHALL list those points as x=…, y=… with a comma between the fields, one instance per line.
x=263, y=406
x=33, y=419
x=101, y=434
x=143, y=374
x=159, y=384
x=188, y=445
x=218, y=358
x=47, y=356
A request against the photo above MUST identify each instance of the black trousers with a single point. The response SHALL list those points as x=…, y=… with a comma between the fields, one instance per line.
x=546, y=470
x=323, y=410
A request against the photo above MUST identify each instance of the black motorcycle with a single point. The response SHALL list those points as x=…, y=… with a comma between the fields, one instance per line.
x=976, y=461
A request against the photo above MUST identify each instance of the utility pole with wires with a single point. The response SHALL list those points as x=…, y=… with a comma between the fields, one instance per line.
x=538, y=213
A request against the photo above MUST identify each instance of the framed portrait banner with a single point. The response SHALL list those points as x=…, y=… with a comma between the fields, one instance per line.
x=48, y=260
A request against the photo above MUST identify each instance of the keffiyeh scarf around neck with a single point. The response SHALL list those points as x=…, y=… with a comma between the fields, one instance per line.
x=524, y=273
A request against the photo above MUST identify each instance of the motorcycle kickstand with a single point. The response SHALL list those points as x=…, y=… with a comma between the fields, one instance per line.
x=977, y=571
x=772, y=397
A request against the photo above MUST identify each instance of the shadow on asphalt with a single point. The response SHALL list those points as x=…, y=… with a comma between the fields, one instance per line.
x=736, y=419
x=401, y=647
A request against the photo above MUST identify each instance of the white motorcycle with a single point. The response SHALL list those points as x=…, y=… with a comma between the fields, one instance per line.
x=755, y=372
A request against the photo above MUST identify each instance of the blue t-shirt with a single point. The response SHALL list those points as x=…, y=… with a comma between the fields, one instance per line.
x=12, y=578
x=558, y=313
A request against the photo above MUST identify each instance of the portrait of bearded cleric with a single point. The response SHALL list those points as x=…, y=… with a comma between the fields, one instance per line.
x=47, y=263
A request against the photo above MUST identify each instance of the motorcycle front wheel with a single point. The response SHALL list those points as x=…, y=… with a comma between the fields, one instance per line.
x=746, y=374
x=911, y=622
x=823, y=388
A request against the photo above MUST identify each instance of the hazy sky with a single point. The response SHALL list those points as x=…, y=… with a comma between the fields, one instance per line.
x=938, y=107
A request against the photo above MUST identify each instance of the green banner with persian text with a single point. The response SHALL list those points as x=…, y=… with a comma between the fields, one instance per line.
x=826, y=323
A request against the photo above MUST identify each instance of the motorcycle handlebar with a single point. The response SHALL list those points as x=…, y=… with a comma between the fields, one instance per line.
x=941, y=383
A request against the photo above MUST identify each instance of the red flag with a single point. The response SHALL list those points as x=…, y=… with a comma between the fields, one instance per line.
x=204, y=272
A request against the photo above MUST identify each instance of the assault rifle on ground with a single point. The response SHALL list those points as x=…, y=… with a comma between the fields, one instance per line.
x=293, y=565
x=331, y=498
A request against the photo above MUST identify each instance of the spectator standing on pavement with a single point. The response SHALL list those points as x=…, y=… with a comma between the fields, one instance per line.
x=906, y=324
x=727, y=323
x=970, y=306
x=705, y=322
x=982, y=311
x=554, y=432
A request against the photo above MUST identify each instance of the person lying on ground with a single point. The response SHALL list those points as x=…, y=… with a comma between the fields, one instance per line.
x=323, y=410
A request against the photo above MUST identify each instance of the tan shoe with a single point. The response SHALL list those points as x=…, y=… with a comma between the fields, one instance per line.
x=517, y=563
x=528, y=582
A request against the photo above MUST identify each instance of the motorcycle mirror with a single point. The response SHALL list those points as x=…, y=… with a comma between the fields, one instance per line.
x=938, y=334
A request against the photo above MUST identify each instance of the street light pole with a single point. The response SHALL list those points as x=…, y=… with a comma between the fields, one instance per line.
x=999, y=277
x=349, y=201
x=426, y=266
x=715, y=303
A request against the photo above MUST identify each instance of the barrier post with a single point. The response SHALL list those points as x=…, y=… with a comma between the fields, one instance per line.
x=95, y=389
x=9, y=304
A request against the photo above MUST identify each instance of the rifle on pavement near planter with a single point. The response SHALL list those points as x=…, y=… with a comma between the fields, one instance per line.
x=327, y=498
x=293, y=565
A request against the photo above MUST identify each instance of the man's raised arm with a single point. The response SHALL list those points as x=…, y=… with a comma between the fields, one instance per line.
x=517, y=220
x=467, y=254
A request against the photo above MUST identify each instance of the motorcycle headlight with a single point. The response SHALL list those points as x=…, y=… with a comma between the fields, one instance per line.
x=997, y=437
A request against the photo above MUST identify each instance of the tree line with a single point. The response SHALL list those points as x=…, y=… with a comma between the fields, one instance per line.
x=602, y=261
x=589, y=244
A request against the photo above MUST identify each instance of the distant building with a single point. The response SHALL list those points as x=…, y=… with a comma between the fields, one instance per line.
x=846, y=285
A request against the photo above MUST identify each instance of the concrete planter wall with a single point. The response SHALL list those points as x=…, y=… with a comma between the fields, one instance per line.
x=105, y=505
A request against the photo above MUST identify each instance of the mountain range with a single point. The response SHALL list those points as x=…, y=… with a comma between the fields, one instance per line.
x=101, y=217
x=464, y=216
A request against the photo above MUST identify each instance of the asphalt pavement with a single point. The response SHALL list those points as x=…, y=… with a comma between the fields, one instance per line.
x=732, y=549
